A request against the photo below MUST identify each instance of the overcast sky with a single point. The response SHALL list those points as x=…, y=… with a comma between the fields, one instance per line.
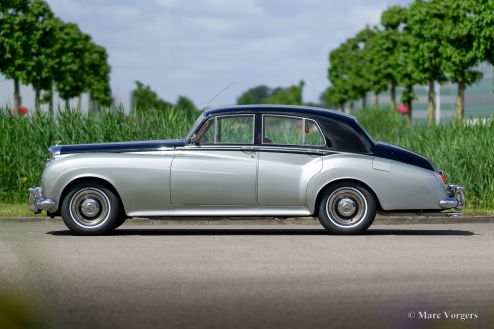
x=196, y=47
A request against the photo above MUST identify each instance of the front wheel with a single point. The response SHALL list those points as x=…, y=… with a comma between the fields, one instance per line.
x=90, y=208
x=347, y=208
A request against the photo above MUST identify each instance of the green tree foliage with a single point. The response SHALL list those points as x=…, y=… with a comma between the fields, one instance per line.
x=186, y=105
x=399, y=70
x=378, y=56
x=289, y=96
x=14, y=43
x=340, y=75
x=431, y=40
x=254, y=95
x=42, y=38
x=426, y=22
x=98, y=74
x=71, y=70
x=384, y=52
x=360, y=75
x=332, y=97
x=348, y=71
x=143, y=98
x=459, y=51
x=39, y=49
x=482, y=13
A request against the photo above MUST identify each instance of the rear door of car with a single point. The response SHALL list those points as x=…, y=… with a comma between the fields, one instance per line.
x=221, y=168
x=290, y=154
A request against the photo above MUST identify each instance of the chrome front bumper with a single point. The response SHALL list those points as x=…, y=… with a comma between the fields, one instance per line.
x=456, y=198
x=37, y=202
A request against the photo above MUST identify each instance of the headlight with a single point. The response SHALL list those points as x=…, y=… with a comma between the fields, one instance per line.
x=53, y=152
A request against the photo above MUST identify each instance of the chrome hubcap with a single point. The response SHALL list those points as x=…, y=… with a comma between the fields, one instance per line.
x=346, y=207
x=89, y=207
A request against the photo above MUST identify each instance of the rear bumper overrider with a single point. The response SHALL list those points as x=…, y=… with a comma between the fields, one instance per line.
x=455, y=199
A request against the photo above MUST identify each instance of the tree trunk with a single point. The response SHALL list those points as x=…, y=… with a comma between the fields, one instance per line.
x=431, y=106
x=17, y=96
x=460, y=102
x=50, y=101
x=364, y=102
x=409, y=104
x=351, y=106
x=37, y=94
x=67, y=104
x=90, y=105
x=392, y=93
x=376, y=100
x=79, y=103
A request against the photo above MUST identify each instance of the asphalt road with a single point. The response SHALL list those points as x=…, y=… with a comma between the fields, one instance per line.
x=255, y=276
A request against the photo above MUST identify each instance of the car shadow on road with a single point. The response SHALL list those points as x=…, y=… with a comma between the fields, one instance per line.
x=267, y=231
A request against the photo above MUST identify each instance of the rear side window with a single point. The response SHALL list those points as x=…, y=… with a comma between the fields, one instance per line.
x=287, y=130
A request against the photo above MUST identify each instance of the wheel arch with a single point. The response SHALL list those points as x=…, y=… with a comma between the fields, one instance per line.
x=68, y=186
x=327, y=186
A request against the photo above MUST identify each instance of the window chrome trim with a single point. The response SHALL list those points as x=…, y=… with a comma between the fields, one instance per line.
x=303, y=133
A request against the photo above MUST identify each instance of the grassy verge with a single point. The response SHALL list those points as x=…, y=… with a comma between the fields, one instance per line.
x=17, y=210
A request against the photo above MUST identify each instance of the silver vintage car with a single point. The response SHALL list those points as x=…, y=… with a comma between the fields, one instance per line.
x=263, y=160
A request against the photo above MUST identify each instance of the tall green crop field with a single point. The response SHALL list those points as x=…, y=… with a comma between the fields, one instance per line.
x=465, y=151
x=24, y=141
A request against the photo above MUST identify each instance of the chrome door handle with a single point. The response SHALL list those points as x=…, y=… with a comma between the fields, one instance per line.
x=247, y=149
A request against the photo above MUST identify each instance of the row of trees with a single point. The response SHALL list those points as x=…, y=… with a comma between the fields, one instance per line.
x=262, y=94
x=429, y=41
x=39, y=49
x=143, y=98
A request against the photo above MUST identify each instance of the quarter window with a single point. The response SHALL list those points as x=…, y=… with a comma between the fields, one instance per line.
x=285, y=130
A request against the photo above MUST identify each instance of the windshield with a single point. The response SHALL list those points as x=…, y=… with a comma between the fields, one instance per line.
x=194, y=126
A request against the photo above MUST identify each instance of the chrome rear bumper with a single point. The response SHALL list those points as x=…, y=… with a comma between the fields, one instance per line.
x=37, y=202
x=456, y=198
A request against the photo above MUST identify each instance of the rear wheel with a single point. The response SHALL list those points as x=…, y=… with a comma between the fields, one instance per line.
x=91, y=208
x=347, y=208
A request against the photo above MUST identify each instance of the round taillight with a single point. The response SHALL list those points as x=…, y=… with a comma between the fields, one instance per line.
x=443, y=177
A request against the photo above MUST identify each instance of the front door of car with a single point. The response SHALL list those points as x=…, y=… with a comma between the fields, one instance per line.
x=220, y=167
x=290, y=154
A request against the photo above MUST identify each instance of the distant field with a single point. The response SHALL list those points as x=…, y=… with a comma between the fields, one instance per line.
x=464, y=151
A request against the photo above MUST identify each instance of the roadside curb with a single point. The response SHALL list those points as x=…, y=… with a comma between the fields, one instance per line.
x=380, y=220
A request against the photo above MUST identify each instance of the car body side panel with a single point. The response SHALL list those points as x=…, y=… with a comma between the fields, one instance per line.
x=398, y=186
x=141, y=179
x=283, y=177
x=214, y=177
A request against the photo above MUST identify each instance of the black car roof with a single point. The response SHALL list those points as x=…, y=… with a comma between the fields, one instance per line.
x=299, y=109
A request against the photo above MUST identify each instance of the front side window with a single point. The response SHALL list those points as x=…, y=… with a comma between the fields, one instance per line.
x=235, y=129
x=285, y=130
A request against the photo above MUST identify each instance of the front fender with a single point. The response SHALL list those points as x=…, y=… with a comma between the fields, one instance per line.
x=141, y=180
